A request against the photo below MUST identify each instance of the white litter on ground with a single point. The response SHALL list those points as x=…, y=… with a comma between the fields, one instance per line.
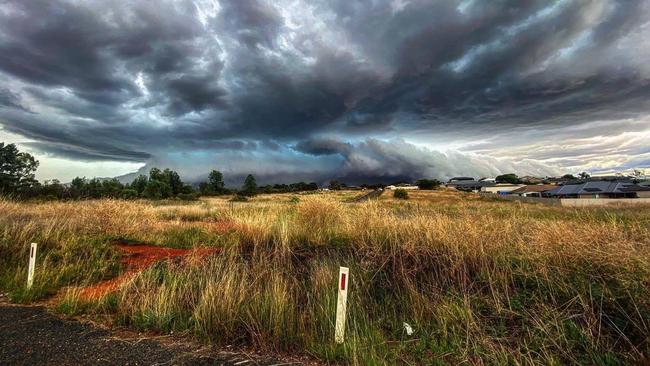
x=408, y=328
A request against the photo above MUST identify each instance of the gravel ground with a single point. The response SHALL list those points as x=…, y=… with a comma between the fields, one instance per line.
x=29, y=335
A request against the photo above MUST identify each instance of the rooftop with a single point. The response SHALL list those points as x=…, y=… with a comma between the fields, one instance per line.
x=597, y=187
x=534, y=188
x=456, y=179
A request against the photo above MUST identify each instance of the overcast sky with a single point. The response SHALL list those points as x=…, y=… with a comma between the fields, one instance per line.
x=361, y=90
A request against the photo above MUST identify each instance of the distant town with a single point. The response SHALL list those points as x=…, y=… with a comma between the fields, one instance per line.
x=568, y=187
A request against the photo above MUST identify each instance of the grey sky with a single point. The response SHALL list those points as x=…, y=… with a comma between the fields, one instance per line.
x=313, y=90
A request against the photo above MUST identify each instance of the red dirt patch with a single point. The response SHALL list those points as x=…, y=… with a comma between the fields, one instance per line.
x=137, y=258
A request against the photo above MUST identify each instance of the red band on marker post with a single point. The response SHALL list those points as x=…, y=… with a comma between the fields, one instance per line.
x=342, y=281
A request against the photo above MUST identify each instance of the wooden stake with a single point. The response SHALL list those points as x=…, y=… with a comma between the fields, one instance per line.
x=341, y=304
x=32, y=265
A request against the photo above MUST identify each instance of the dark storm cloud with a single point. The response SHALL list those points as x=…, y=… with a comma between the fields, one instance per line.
x=59, y=45
x=10, y=100
x=192, y=93
x=67, y=137
x=360, y=123
x=77, y=152
x=489, y=88
x=323, y=147
x=252, y=22
x=138, y=81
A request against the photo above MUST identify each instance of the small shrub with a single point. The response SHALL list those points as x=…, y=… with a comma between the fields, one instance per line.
x=294, y=199
x=401, y=194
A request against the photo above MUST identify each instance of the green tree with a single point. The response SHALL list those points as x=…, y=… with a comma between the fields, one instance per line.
x=250, y=186
x=129, y=194
x=335, y=185
x=94, y=188
x=187, y=189
x=112, y=188
x=584, y=175
x=156, y=174
x=508, y=178
x=139, y=183
x=168, y=178
x=215, y=182
x=78, y=183
x=52, y=189
x=78, y=187
x=173, y=180
x=156, y=190
x=16, y=169
x=428, y=183
x=204, y=188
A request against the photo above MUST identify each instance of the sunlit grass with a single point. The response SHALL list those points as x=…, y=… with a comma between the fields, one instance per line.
x=481, y=281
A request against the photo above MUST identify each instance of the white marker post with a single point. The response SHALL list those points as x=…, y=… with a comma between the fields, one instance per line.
x=32, y=265
x=341, y=304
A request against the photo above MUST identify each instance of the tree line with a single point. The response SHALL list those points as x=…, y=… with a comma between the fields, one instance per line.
x=17, y=180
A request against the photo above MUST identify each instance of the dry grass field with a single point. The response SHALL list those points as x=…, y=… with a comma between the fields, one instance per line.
x=480, y=281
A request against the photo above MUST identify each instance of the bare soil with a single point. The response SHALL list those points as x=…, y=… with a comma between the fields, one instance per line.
x=137, y=258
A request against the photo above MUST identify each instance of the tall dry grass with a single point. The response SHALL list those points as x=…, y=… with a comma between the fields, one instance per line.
x=481, y=282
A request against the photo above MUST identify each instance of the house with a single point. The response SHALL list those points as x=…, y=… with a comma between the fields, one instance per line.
x=531, y=180
x=501, y=188
x=532, y=190
x=469, y=185
x=610, y=178
x=599, y=189
x=460, y=179
x=402, y=186
x=556, y=180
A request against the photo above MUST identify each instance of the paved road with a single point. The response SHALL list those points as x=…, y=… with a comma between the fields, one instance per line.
x=29, y=335
x=372, y=194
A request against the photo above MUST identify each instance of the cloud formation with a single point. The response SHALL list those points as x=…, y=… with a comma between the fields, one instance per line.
x=319, y=89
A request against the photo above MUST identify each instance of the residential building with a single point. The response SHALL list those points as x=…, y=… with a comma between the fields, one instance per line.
x=501, y=188
x=531, y=180
x=460, y=179
x=599, y=189
x=402, y=186
x=533, y=190
x=469, y=185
